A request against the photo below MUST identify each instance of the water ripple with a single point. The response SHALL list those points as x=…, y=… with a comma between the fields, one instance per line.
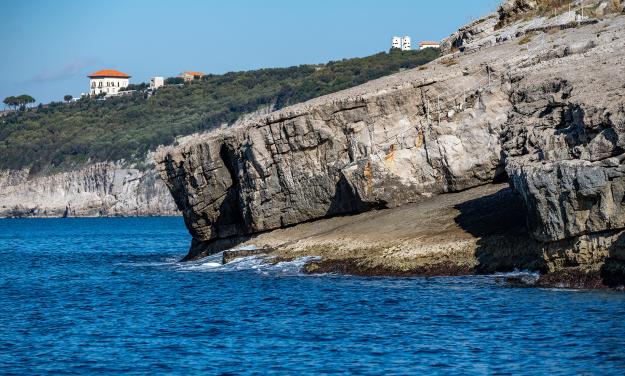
x=109, y=296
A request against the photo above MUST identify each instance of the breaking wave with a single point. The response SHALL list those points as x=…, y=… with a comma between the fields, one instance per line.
x=260, y=264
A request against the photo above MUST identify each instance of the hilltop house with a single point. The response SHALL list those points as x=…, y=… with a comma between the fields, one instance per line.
x=405, y=43
x=190, y=76
x=401, y=43
x=156, y=82
x=396, y=42
x=429, y=44
x=108, y=81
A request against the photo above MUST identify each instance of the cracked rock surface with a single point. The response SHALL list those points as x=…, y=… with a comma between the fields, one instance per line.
x=101, y=189
x=540, y=102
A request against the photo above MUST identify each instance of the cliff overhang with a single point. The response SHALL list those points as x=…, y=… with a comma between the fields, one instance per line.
x=536, y=104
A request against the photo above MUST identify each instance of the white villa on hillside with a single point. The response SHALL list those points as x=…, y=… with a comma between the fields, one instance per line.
x=107, y=81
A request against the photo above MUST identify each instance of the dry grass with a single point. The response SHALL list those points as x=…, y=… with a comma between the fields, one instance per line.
x=525, y=40
x=551, y=7
x=614, y=6
x=449, y=62
x=554, y=7
x=547, y=8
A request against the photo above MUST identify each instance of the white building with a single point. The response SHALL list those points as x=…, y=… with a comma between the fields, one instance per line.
x=429, y=44
x=107, y=81
x=156, y=82
x=405, y=43
x=396, y=42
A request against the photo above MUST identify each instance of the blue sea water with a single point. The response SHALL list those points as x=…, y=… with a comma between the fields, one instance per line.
x=107, y=296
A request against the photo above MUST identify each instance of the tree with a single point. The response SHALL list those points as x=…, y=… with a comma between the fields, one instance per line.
x=174, y=81
x=68, y=98
x=24, y=100
x=10, y=102
x=138, y=87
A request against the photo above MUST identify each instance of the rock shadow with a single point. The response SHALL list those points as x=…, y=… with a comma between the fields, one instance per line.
x=229, y=226
x=200, y=249
x=347, y=200
x=498, y=220
x=612, y=272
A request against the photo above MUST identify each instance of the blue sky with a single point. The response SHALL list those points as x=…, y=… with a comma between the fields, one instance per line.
x=48, y=47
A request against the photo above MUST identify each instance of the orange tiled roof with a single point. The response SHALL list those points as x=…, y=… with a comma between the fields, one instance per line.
x=108, y=73
x=428, y=42
x=192, y=74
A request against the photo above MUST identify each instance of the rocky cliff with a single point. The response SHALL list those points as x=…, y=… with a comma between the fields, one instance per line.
x=532, y=98
x=102, y=189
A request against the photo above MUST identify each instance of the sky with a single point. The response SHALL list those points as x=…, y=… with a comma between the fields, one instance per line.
x=49, y=46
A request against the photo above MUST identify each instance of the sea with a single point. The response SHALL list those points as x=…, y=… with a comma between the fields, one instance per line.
x=109, y=296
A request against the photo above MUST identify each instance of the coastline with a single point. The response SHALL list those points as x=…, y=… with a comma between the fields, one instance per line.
x=509, y=105
x=59, y=215
x=474, y=232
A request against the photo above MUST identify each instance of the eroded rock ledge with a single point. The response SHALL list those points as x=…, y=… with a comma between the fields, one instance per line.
x=546, y=112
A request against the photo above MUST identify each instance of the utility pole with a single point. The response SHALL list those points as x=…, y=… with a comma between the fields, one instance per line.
x=569, y=8
x=438, y=104
x=582, y=10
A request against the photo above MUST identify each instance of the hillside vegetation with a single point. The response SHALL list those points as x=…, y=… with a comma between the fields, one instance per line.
x=61, y=136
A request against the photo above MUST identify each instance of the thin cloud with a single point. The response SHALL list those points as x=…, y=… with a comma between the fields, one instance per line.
x=68, y=70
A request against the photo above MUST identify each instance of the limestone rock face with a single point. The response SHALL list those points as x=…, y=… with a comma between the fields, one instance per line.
x=102, y=189
x=511, y=9
x=336, y=157
x=449, y=127
x=564, y=142
x=539, y=101
x=572, y=198
x=476, y=34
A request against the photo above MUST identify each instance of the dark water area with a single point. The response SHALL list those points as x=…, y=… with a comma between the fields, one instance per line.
x=107, y=296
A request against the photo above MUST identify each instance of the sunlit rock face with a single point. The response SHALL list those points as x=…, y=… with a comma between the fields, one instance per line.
x=539, y=101
x=101, y=189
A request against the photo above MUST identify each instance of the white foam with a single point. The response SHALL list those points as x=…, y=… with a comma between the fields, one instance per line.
x=213, y=263
x=250, y=247
x=526, y=276
x=259, y=264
